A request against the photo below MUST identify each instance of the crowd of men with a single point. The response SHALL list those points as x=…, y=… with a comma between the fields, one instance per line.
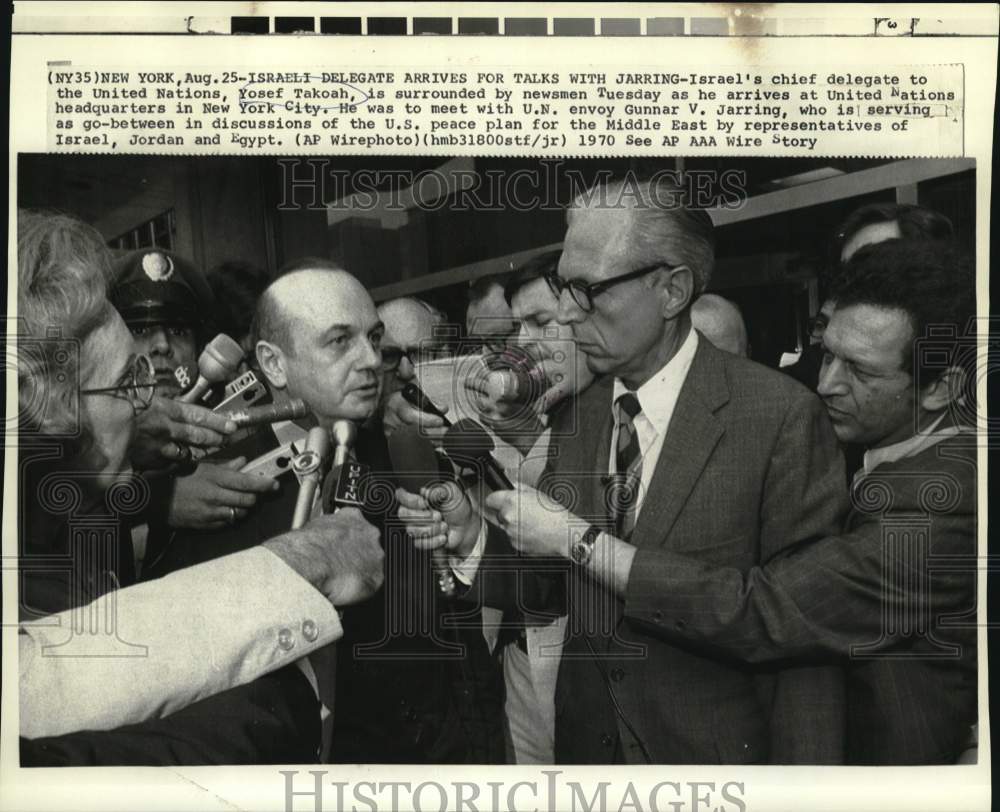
x=674, y=565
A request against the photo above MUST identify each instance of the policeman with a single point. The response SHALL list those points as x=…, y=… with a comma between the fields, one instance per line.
x=167, y=303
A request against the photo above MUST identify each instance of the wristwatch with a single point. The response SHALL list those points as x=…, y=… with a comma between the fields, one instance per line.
x=583, y=548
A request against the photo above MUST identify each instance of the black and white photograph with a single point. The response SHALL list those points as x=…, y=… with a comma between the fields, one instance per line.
x=497, y=461
x=498, y=407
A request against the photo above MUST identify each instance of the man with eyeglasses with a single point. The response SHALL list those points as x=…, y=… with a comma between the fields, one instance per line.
x=409, y=339
x=678, y=446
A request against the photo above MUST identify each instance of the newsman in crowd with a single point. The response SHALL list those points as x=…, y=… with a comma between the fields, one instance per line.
x=168, y=305
x=679, y=446
x=893, y=594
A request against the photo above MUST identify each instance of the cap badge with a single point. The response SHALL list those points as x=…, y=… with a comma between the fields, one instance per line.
x=158, y=267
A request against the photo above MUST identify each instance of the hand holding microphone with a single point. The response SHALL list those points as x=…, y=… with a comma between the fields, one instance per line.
x=419, y=471
x=168, y=428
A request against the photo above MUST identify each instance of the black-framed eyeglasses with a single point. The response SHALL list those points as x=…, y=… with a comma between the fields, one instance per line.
x=138, y=385
x=392, y=356
x=583, y=293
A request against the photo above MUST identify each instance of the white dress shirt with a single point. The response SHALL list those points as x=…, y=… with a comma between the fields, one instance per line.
x=657, y=399
x=909, y=447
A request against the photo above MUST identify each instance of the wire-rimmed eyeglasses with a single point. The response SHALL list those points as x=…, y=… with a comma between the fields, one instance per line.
x=138, y=385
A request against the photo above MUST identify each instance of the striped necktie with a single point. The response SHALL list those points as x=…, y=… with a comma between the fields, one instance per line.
x=628, y=465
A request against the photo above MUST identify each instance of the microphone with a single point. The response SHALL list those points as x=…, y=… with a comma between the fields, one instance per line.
x=346, y=482
x=513, y=377
x=416, y=465
x=184, y=374
x=218, y=361
x=273, y=413
x=307, y=467
x=415, y=396
x=467, y=443
x=513, y=386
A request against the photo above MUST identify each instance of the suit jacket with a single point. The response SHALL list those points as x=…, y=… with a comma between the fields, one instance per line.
x=749, y=469
x=183, y=650
x=410, y=688
x=906, y=555
x=268, y=720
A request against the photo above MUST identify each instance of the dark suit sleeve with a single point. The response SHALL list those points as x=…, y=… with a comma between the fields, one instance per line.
x=821, y=599
x=273, y=720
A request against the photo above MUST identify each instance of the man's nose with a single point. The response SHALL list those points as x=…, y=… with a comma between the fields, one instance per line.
x=371, y=356
x=832, y=380
x=406, y=372
x=568, y=312
x=159, y=341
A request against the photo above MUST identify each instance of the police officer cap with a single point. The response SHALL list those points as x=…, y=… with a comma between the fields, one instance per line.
x=156, y=286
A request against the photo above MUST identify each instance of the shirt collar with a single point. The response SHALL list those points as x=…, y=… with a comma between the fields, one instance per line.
x=910, y=447
x=658, y=396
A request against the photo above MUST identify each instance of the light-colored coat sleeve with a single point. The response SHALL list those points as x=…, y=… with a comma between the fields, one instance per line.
x=187, y=636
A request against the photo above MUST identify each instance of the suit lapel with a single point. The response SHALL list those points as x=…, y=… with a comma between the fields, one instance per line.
x=692, y=435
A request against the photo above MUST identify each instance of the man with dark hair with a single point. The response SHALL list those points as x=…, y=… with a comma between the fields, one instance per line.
x=893, y=595
x=869, y=224
x=679, y=447
x=876, y=222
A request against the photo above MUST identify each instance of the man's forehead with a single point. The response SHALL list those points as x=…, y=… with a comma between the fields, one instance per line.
x=408, y=322
x=323, y=298
x=876, y=335
x=597, y=239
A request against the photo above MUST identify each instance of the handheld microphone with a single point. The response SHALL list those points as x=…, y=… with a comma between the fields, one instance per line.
x=416, y=465
x=516, y=386
x=346, y=483
x=255, y=415
x=468, y=444
x=415, y=396
x=184, y=374
x=218, y=361
x=308, y=467
x=513, y=377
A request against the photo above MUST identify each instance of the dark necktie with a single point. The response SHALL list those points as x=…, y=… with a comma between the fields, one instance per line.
x=628, y=464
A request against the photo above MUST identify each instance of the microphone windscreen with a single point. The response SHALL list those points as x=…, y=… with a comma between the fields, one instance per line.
x=415, y=463
x=344, y=433
x=467, y=439
x=220, y=359
x=272, y=413
x=415, y=396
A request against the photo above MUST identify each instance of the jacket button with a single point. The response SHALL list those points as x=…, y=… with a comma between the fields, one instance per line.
x=286, y=639
x=617, y=674
x=606, y=740
x=309, y=630
x=680, y=624
x=658, y=616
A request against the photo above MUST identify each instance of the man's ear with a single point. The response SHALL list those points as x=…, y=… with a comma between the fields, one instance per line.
x=271, y=360
x=676, y=287
x=946, y=389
